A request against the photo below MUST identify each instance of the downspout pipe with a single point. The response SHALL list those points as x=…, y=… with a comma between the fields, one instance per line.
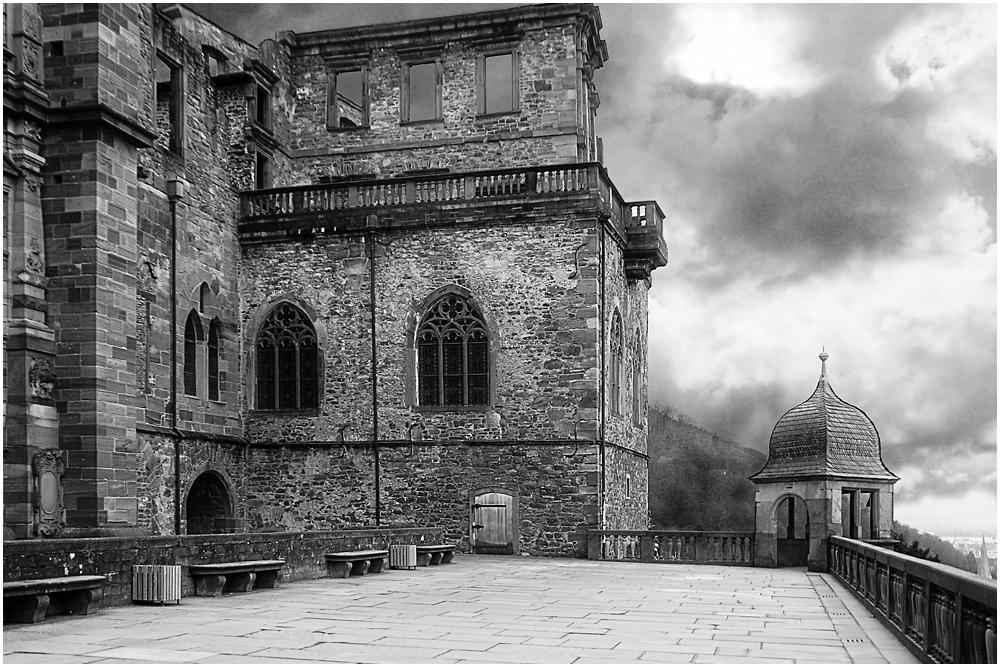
x=372, y=222
x=175, y=193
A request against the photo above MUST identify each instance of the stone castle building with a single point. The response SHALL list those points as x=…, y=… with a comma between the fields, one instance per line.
x=356, y=277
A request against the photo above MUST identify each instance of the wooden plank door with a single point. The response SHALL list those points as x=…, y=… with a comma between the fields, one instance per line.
x=493, y=523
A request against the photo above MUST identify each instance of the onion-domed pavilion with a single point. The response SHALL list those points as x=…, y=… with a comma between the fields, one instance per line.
x=824, y=476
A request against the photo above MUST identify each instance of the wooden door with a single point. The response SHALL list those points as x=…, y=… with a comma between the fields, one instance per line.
x=493, y=523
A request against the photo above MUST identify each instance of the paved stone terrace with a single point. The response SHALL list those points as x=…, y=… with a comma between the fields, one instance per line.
x=489, y=609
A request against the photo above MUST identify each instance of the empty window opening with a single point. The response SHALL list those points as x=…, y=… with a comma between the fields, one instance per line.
x=169, y=99
x=287, y=361
x=346, y=100
x=202, y=297
x=423, y=95
x=215, y=61
x=498, y=90
x=263, y=108
x=453, y=355
x=262, y=172
x=56, y=48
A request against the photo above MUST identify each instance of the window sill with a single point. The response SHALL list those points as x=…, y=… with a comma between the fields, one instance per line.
x=452, y=408
x=285, y=413
x=497, y=114
x=429, y=121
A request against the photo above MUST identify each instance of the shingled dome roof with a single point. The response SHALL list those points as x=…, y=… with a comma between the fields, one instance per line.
x=824, y=436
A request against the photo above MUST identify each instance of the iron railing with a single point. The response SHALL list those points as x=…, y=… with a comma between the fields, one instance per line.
x=941, y=613
x=672, y=546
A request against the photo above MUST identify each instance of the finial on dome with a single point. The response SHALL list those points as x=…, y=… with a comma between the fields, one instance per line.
x=823, y=356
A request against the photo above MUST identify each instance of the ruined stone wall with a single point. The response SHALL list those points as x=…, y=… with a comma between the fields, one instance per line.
x=543, y=130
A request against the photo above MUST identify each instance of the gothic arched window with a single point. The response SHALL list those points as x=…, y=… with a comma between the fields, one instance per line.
x=287, y=361
x=213, y=360
x=615, y=366
x=453, y=354
x=192, y=335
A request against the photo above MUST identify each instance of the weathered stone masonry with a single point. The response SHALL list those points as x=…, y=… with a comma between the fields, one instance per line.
x=165, y=252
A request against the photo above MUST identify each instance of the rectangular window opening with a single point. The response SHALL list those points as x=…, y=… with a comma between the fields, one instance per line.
x=263, y=108
x=498, y=84
x=262, y=172
x=168, y=105
x=346, y=104
x=423, y=96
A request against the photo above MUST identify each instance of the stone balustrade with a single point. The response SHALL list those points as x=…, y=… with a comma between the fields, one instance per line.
x=941, y=613
x=672, y=546
x=309, y=207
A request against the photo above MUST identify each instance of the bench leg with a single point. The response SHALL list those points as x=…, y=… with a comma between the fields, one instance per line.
x=436, y=557
x=447, y=557
x=84, y=601
x=240, y=582
x=423, y=559
x=359, y=568
x=209, y=585
x=338, y=570
x=268, y=579
x=377, y=565
x=25, y=609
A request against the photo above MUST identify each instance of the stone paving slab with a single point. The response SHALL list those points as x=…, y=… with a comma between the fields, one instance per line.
x=489, y=609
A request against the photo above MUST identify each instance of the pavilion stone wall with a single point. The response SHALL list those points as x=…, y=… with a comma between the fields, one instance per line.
x=543, y=131
x=114, y=557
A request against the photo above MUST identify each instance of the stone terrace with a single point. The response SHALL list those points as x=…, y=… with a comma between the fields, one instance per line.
x=490, y=609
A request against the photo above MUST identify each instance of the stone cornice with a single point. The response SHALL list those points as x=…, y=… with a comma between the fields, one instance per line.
x=103, y=115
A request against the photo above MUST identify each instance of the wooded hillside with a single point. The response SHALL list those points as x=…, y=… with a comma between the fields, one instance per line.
x=698, y=481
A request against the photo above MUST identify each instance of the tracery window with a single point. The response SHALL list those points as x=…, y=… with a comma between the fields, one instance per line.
x=287, y=361
x=615, y=365
x=453, y=355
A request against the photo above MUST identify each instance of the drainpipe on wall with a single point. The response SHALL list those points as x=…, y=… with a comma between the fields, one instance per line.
x=372, y=221
x=175, y=193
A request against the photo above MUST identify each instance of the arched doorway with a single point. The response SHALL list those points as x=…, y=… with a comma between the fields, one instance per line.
x=494, y=528
x=209, y=507
x=791, y=522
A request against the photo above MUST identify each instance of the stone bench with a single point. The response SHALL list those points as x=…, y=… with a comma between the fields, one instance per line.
x=31, y=600
x=345, y=564
x=435, y=554
x=212, y=579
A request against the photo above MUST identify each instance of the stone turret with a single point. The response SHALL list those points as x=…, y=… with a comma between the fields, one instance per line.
x=824, y=476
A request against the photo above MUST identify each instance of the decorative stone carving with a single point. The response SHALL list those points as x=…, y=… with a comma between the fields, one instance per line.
x=41, y=378
x=34, y=261
x=32, y=130
x=33, y=183
x=50, y=513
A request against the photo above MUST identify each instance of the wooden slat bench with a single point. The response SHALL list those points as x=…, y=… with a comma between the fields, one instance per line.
x=344, y=564
x=212, y=579
x=435, y=554
x=31, y=600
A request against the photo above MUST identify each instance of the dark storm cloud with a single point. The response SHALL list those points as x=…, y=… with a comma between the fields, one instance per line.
x=255, y=22
x=805, y=182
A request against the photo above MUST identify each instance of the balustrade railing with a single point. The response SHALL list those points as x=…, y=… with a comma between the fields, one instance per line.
x=306, y=201
x=944, y=614
x=671, y=546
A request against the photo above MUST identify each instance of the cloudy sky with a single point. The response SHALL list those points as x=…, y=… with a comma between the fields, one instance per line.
x=828, y=173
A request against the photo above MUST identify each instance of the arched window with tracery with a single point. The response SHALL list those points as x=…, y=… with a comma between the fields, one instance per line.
x=616, y=364
x=213, y=360
x=287, y=361
x=637, y=366
x=192, y=336
x=453, y=354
